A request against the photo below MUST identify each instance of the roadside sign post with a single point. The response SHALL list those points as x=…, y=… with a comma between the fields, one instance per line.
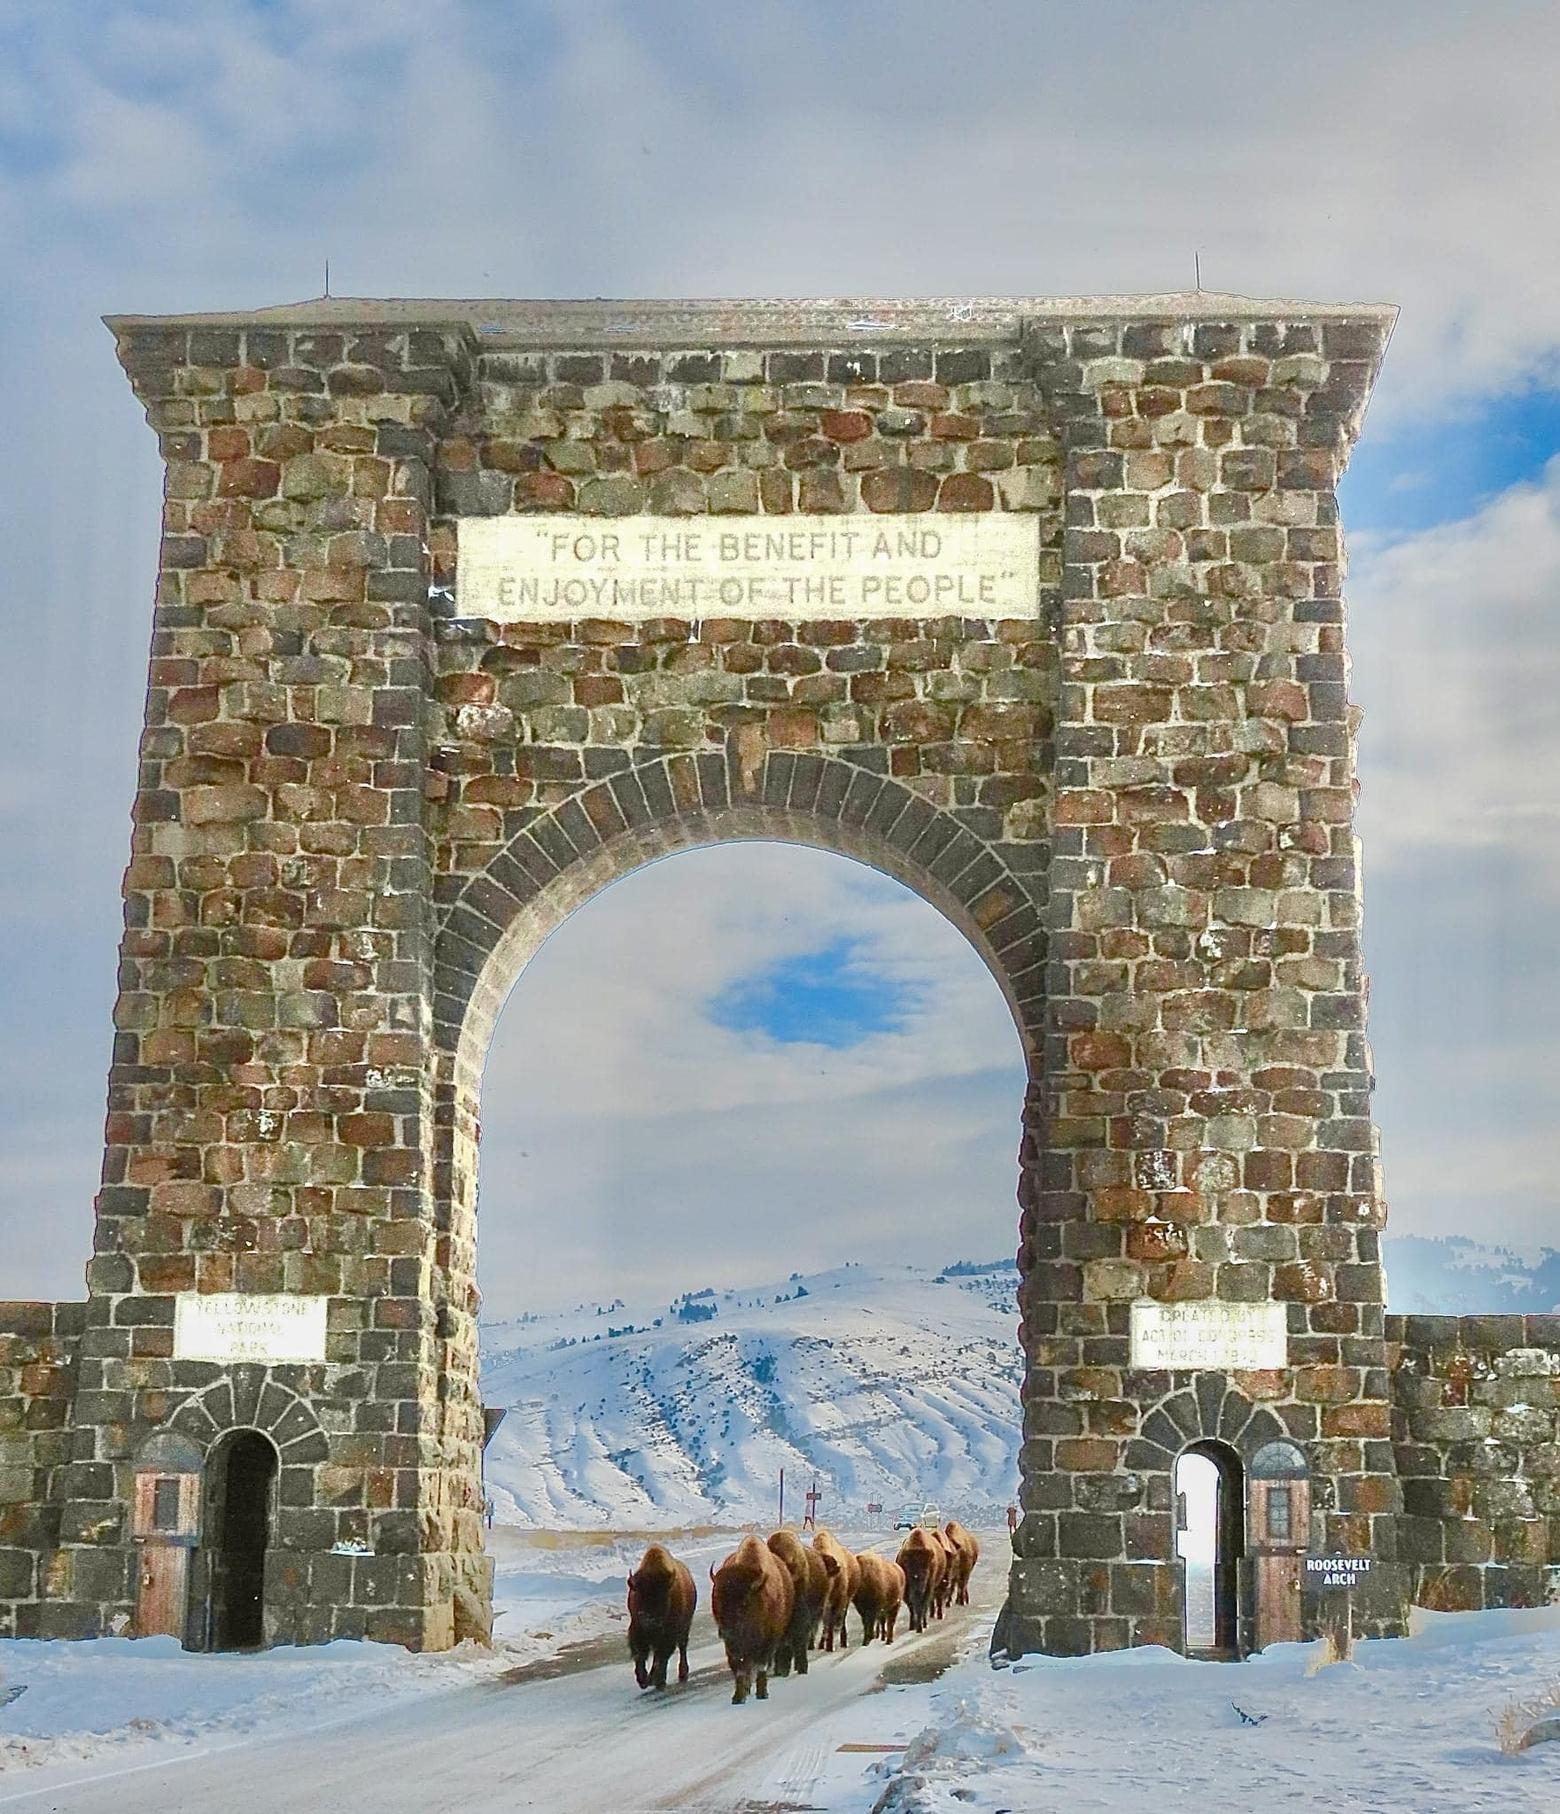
x=1335, y=1579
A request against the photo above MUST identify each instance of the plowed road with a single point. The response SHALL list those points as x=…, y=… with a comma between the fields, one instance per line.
x=579, y=1742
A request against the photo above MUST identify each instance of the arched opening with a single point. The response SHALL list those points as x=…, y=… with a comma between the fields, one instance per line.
x=1210, y=1532
x=239, y=1518
x=848, y=1100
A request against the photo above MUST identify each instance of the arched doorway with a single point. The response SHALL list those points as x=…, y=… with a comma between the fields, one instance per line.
x=1210, y=1529
x=239, y=1519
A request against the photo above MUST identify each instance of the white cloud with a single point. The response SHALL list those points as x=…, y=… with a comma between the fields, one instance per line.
x=618, y=1117
x=1456, y=639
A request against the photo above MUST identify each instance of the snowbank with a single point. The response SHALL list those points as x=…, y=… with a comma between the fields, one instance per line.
x=110, y=1695
x=1407, y=1728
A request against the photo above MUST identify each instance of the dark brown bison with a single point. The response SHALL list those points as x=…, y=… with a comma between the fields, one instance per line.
x=810, y=1585
x=661, y=1599
x=878, y=1596
x=968, y=1547
x=943, y=1593
x=925, y=1564
x=751, y=1601
x=843, y=1578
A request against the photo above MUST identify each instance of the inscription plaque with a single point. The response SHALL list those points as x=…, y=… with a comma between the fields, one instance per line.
x=269, y=1327
x=1210, y=1335
x=557, y=568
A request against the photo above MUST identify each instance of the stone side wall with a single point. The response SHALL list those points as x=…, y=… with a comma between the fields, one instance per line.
x=1206, y=1128
x=1476, y=1426
x=37, y=1383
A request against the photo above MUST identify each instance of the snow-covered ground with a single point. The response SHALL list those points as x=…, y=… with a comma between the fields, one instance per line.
x=114, y=1697
x=1407, y=1727
x=888, y=1383
x=924, y=1727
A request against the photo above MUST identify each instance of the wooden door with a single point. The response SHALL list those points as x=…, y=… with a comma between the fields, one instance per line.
x=1278, y=1599
x=162, y=1590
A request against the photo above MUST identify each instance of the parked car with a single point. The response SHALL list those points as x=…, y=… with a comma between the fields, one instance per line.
x=927, y=1515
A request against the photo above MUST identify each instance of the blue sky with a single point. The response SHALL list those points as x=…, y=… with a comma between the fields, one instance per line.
x=597, y=147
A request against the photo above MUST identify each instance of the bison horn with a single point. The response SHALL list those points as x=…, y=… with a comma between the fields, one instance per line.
x=712, y=1571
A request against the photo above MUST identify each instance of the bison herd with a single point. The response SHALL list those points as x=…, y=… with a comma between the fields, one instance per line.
x=773, y=1602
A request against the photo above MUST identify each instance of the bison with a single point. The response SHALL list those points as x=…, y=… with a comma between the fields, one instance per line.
x=810, y=1585
x=925, y=1565
x=878, y=1595
x=661, y=1599
x=844, y=1576
x=943, y=1594
x=751, y=1600
x=968, y=1547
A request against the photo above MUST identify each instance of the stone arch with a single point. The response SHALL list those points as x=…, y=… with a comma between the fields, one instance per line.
x=248, y=1398
x=491, y=922
x=1212, y=1409
x=497, y=918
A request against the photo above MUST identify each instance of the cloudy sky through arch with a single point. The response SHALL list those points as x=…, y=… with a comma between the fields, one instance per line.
x=739, y=1062
x=155, y=156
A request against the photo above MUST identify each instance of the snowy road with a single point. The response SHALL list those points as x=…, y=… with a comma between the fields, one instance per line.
x=577, y=1743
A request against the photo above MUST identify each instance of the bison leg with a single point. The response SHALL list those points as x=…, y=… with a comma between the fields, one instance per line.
x=743, y=1681
x=801, y=1654
x=682, y=1662
x=763, y=1682
x=658, y=1674
x=641, y=1673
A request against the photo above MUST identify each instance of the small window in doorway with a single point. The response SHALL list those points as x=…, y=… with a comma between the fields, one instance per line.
x=1280, y=1514
x=165, y=1503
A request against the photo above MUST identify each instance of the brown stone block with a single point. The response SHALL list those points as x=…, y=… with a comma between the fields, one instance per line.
x=1357, y=1420
x=845, y=424
x=1181, y=1280
x=1322, y=1171
x=1154, y=1243
x=1128, y=704
x=1096, y=1051
x=965, y=491
x=249, y=478
x=898, y=489
x=1122, y=1203
x=366, y=1130
x=1326, y=1385
x=1086, y=1455
x=1306, y=1282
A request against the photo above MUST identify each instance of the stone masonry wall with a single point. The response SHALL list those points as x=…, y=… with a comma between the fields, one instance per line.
x=1476, y=1427
x=269, y=1089
x=37, y=1381
x=1206, y=1124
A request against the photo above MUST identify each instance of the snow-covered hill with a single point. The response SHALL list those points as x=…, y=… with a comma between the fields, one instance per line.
x=888, y=1383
